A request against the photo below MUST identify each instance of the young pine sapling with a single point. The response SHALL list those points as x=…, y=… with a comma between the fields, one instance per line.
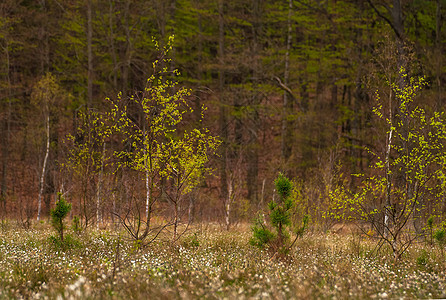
x=280, y=212
x=58, y=214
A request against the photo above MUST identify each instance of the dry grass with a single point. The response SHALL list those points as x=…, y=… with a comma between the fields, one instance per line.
x=213, y=264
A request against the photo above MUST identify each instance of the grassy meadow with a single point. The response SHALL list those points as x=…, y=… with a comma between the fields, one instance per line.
x=211, y=263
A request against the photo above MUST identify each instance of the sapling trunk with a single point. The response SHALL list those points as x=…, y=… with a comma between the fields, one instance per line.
x=280, y=239
x=98, y=195
x=228, y=204
x=42, y=176
x=387, y=208
x=61, y=230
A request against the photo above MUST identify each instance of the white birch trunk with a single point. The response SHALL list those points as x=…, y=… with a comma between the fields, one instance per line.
x=98, y=192
x=147, y=195
x=147, y=179
x=388, y=174
x=228, y=205
x=42, y=177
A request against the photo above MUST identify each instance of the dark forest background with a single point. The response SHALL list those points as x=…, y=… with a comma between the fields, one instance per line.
x=289, y=86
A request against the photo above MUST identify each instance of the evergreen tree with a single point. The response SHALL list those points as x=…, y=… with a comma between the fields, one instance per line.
x=58, y=214
x=278, y=239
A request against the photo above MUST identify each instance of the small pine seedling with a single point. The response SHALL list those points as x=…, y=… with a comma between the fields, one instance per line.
x=58, y=214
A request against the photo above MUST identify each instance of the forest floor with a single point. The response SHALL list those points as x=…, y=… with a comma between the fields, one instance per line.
x=212, y=263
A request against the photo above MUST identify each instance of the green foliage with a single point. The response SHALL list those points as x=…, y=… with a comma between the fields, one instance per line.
x=68, y=243
x=284, y=187
x=440, y=236
x=409, y=171
x=430, y=227
x=262, y=236
x=191, y=241
x=160, y=147
x=136, y=245
x=58, y=214
x=75, y=226
x=87, y=156
x=423, y=258
x=279, y=216
x=280, y=210
x=163, y=148
x=430, y=222
x=48, y=97
x=301, y=230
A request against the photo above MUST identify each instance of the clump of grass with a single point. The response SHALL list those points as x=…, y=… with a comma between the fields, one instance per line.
x=440, y=238
x=75, y=225
x=68, y=243
x=191, y=241
x=423, y=258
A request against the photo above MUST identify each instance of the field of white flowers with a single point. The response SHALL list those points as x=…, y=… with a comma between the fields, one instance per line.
x=213, y=264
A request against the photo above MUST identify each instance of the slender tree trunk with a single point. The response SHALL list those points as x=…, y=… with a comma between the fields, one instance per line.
x=191, y=209
x=116, y=191
x=99, y=190
x=6, y=134
x=48, y=190
x=86, y=198
x=280, y=235
x=173, y=9
x=42, y=176
x=388, y=205
x=148, y=180
x=402, y=63
x=262, y=196
x=114, y=209
x=128, y=50
x=176, y=203
x=397, y=18
x=223, y=113
x=253, y=150
x=175, y=222
x=45, y=61
x=197, y=109
x=89, y=54
x=113, y=47
x=147, y=191
x=438, y=70
x=150, y=186
x=161, y=16
x=228, y=203
x=438, y=22
x=287, y=103
x=437, y=51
